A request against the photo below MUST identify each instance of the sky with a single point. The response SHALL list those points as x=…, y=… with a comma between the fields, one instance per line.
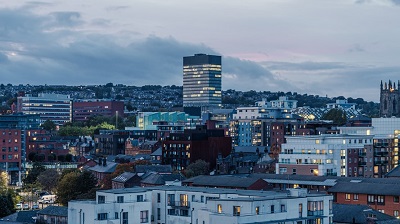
x=327, y=48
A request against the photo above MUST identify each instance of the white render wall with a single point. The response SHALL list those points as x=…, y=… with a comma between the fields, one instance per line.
x=199, y=210
x=327, y=149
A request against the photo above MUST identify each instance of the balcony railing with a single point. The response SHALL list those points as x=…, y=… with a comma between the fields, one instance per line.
x=179, y=204
x=362, y=154
x=382, y=162
x=362, y=163
x=381, y=153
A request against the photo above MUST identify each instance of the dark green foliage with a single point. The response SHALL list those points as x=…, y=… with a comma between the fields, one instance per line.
x=336, y=115
x=49, y=125
x=6, y=204
x=68, y=157
x=33, y=174
x=48, y=179
x=31, y=156
x=75, y=185
x=200, y=167
x=61, y=158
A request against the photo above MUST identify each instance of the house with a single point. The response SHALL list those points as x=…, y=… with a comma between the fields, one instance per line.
x=157, y=179
x=126, y=180
x=163, y=169
x=103, y=168
x=53, y=215
x=343, y=213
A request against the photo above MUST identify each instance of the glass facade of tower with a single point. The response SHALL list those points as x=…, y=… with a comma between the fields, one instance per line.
x=202, y=80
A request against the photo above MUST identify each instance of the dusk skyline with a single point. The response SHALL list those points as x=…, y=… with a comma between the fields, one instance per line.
x=334, y=48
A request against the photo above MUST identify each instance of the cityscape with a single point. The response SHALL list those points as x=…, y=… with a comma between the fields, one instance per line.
x=208, y=134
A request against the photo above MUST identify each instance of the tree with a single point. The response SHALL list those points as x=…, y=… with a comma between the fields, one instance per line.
x=336, y=115
x=49, y=125
x=74, y=185
x=31, y=156
x=33, y=174
x=200, y=167
x=68, y=157
x=48, y=179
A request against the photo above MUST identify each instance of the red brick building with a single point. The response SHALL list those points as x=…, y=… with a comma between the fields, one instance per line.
x=82, y=111
x=382, y=196
x=10, y=153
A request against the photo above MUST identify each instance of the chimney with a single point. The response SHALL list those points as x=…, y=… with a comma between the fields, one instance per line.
x=100, y=162
x=104, y=161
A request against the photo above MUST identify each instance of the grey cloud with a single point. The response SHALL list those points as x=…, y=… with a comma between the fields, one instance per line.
x=3, y=58
x=356, y=48
x=305, y=66
x=66, y=18
x=397, y=2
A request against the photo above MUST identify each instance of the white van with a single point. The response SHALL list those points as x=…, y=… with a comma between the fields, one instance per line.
x=47, y=199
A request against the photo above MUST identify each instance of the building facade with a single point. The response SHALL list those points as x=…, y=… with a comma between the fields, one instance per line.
x=202, y=81
x=177, y=204
x=83, y=110
x=327, y=155
x=54, y=107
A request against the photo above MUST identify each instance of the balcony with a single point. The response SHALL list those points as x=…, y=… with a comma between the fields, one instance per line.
x=184, y=204
x=381, y=153
x=362, y=163
x=362, y=154
x=382, y=162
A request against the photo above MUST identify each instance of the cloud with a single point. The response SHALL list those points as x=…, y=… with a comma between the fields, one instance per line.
x=308, y=65
x=67, y=19
x=3, y=58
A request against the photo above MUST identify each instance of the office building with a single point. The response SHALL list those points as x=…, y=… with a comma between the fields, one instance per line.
x=202, y=81
x=182, y=204
x=84, y=110
x=54, y=107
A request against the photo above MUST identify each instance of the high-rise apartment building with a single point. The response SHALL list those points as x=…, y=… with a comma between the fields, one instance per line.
x=202, y=81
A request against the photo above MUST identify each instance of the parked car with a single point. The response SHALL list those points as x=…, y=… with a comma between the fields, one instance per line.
x=18, y=206
x=35, y=206
x=26, y=207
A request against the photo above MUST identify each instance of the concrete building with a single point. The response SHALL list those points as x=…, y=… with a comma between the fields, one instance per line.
x=202, y=81
x=177, y=204
x=54, y=107
x=321, y=155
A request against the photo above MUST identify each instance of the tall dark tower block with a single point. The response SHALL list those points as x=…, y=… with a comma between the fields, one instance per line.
x=202, y=81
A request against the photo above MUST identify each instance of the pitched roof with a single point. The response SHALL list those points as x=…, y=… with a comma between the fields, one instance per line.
x=20, y=217
x=154, y=168
x=395, y=172
x=366, y=188
x=109, y=168
x=124, y=177
x=343, y=213
x=222, y=181
x=161, y=179
x=54, y=211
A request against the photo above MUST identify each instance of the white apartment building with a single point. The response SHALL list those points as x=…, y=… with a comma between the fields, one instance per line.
x=320, y=155
x=247, y=113
x=179, y=204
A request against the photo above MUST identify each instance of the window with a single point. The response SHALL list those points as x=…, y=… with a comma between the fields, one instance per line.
x=396, y=213
x=347, y=197
x=116, y=215
x=300, y=210
x=102, y=216
x=272, y=208
x=371, y=199
x=144, y=216
x=120, y=199
x=101, y=199
x=171, y=199
x=139, y=198
x=158, y=197
x=125, y=218
x=315, y=208
x=158, y=213
x=257, y=210
x=202, y=199
x=193, y=198
x=219, y=208
x=355, y=197
x=236, y=210
x=381, y=199
x=396, y=199
x=283, y=208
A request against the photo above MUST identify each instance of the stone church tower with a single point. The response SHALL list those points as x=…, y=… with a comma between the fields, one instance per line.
x=390, y=99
